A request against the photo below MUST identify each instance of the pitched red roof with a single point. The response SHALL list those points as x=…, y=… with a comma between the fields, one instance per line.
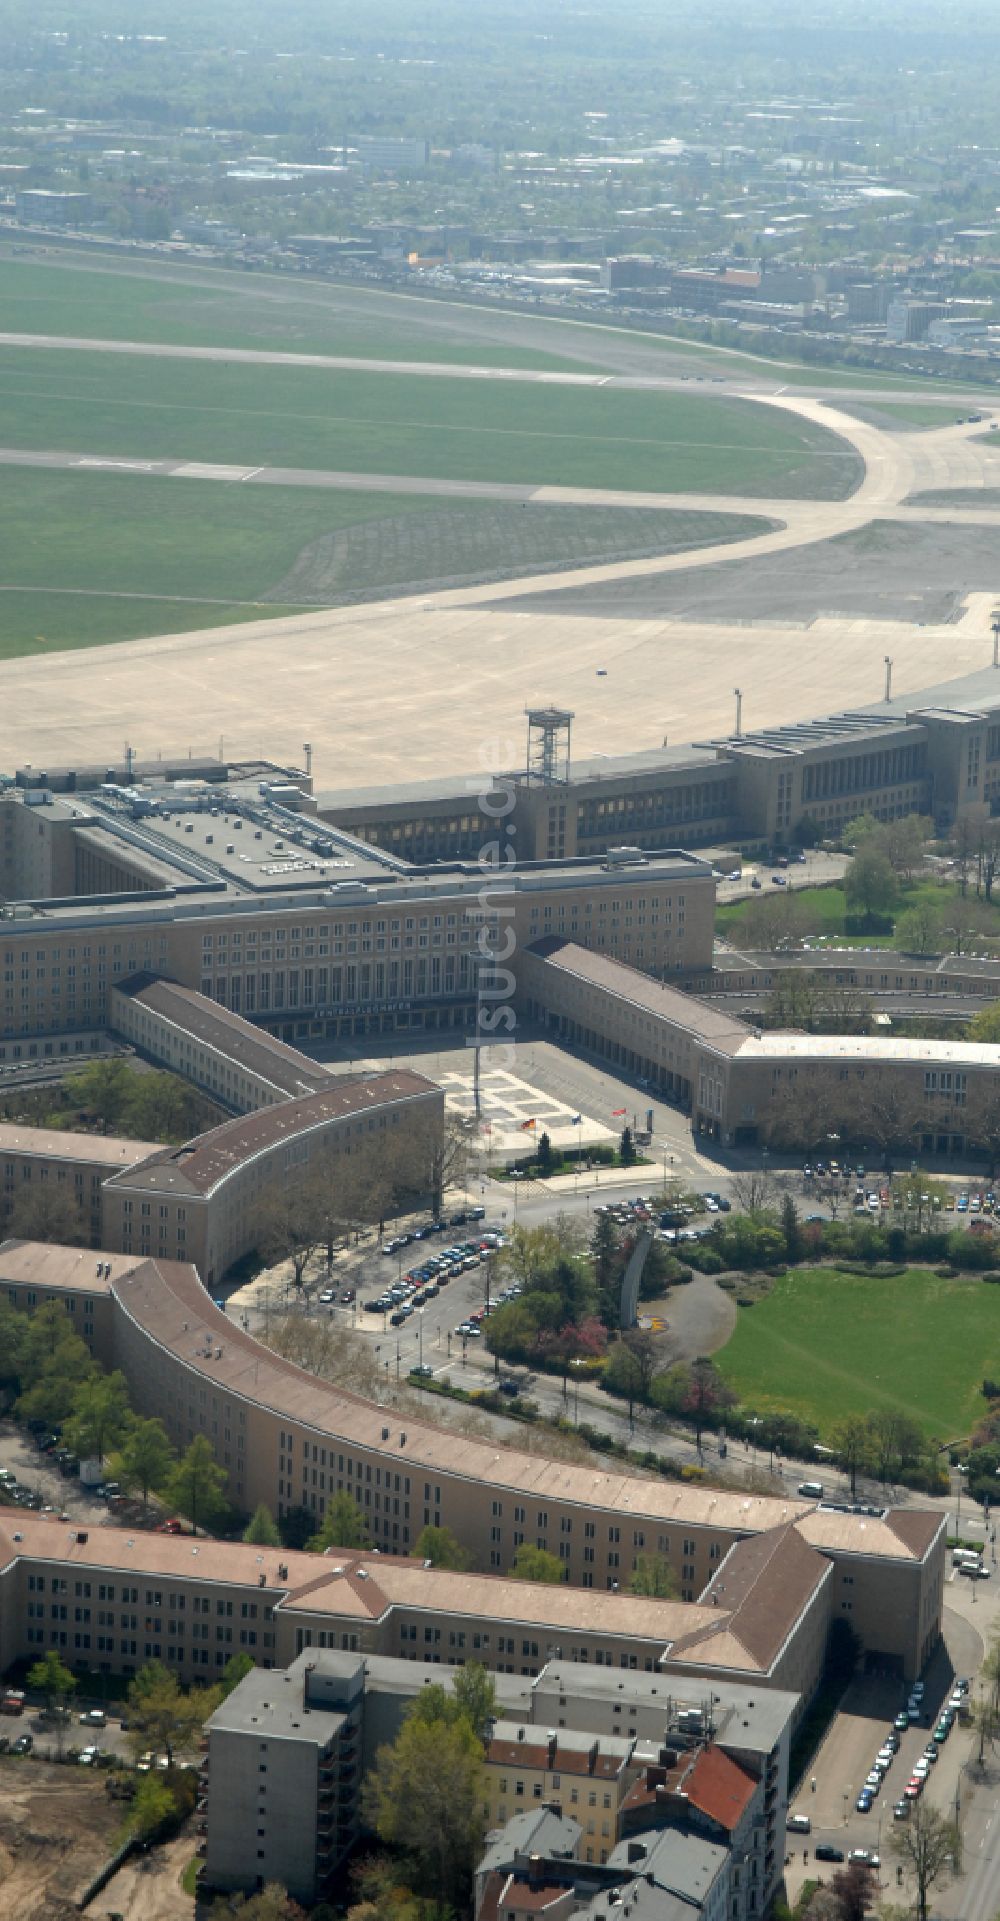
x=719, y=1787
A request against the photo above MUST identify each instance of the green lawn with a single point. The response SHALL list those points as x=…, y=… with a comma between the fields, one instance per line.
x=179, y=308
x=108, y=405
x=824, y=911
x=94, y=557
x=825, y=1344
x=192, y=306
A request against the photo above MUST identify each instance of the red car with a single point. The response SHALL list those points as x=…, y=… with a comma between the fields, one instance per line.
x=171, y=1527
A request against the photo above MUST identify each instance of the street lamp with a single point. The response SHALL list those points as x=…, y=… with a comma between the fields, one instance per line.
x=420, y=1335
x=576, y=1364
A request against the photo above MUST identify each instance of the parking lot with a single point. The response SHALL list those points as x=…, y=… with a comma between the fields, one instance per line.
x=38, y=1474
x=828, y=1794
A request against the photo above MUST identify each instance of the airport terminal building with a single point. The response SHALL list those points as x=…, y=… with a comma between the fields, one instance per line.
x=935, y=753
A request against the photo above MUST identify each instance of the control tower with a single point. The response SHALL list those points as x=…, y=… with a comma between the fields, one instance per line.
x=548, y=757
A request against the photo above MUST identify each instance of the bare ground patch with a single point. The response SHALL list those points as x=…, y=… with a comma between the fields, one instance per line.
x=57, y=1827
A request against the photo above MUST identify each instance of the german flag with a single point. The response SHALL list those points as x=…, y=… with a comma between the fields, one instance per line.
x=526, y=1126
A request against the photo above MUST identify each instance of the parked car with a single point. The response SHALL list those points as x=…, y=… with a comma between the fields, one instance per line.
x=825, y=1851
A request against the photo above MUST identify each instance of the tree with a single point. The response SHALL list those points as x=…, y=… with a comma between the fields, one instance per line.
x=965, y=923
x=102, y=1089
x=475, y=1696
x=52, y=1679
x=197, y=1486
x=654, y=1576
x=442, y=1548
x=985, y=1026
x=605, y=1253
x=708, y=1396
x=537, y=1564
x=434, y=1159
x=273, y=1903
x=626, y=1148
x=100, y=1415
x=425, y=1798
x=754, y=1192
x=236, y=1669
x=625, y=1374
x=986, y=1721
x=918, y=931
x=903, y=841
x=896, y=1441
x=288, y=1223
x=261, y=1530
x=162, y=1716
x=343, y=1525
x=53, y=1363
x=543, y=1154
x=144, y=1459
x=153, y=1806
x=852, y=1440
x=48, y=1213
x=869, y=883
x=929, y=1848
x=791, y=1229
x=162, y=1107
x=855, y=1888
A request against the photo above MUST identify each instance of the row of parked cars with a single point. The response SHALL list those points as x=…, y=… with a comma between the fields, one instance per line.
x=913, y=1712
x=423, y=1284
x=464, y=1216
x=471, y=1328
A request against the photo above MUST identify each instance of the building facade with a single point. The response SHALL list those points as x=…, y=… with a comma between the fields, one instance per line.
x=758, y=1575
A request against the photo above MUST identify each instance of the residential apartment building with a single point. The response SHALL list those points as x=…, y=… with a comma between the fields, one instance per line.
x=288, y=1749
x=586, y=1774
x=283, y=1778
